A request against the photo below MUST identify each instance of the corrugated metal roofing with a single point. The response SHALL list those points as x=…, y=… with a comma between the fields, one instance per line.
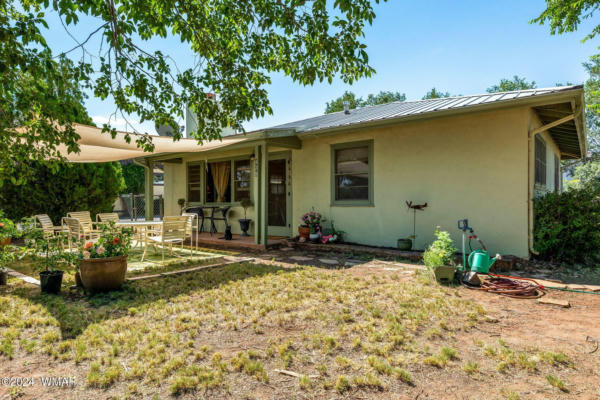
x=407, y=108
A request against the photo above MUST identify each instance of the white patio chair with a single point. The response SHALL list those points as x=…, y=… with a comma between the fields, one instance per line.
x=172, y=231
x=107, y=217
x=78, y=232
x=47, y=226
x=189, y=229
x=85, y=219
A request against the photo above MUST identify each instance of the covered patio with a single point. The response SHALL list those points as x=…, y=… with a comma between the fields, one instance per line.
x=259, y=148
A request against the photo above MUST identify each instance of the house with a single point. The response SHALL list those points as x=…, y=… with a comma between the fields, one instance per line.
x=482, y=157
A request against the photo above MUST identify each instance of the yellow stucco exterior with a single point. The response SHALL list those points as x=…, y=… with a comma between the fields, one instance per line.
x=477, y=166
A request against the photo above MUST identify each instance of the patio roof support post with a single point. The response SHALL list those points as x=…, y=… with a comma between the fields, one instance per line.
x=256, y=194
x=264, y=195
x=149, y=190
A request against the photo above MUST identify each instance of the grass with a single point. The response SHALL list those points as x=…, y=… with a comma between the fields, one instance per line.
x=557, y=383
x=195, y=333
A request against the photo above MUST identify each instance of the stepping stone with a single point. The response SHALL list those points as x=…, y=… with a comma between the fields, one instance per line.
x=301, y=258
x=287, y=249
x=391, y=269
x=329, y=261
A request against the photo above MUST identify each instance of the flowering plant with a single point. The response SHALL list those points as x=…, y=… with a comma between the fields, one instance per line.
x=48, y=252
x=112, y=242
x=7, y=228
x=313, y=220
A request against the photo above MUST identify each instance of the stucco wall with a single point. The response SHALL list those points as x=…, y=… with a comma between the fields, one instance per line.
x=472, y=166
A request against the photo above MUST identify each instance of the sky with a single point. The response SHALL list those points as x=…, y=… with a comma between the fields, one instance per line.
x=462, y=47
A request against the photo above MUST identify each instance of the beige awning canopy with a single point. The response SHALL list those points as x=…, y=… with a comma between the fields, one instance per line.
x=96, y=146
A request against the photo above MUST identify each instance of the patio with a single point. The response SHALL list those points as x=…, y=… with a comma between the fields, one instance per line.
x=237, y=242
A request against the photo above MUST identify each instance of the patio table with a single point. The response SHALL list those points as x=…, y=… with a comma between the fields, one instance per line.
x=139, y=227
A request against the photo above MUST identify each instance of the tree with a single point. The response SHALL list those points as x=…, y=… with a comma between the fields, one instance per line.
x=134, y=178
x=338, y=104
x=382, y=97
x=435, y=94
x=516, y=83
x=237, y=45
x=61, y=189
x=566, y=15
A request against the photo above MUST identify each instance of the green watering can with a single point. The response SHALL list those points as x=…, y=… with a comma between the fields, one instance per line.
x=480, y=261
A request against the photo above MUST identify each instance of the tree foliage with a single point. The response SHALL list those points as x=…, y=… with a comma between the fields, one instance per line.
x=435, y=94
x=237, y=45
x=566, y=15
x=134, y=178
x=61, y=189
x=382, y=97
x=516, y=83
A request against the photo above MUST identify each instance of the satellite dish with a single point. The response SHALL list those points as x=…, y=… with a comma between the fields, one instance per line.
x=164, y=130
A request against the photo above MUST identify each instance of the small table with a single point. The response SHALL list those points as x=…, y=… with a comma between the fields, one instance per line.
x=139, y=227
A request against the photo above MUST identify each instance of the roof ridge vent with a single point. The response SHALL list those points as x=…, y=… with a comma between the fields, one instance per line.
x=346, y=107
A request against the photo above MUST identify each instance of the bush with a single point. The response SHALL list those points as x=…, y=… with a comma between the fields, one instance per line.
x=134, y=178
x=55, y=189
x=441, y=252
x=566, y=225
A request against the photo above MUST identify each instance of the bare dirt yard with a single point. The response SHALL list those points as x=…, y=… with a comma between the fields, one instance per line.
x=274, y=329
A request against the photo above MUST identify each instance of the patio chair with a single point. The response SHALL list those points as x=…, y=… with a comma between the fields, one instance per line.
x=189, y=228
x=107, y=217
x=78, y=232
x=48, y=228
x=213, y=218
x=199, y=213
x=86, y=220
x=172, y=231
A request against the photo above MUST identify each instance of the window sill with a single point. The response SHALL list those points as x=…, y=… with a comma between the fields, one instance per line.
x=352, y=204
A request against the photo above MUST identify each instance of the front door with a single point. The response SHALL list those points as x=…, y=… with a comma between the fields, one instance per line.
x=278, y=215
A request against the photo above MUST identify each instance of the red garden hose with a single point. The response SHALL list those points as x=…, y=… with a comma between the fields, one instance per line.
x=510, y=286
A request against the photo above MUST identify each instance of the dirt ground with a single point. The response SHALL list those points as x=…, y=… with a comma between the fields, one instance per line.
x=511, y=323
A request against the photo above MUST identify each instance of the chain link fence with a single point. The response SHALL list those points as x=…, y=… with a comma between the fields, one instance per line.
x=133, y=206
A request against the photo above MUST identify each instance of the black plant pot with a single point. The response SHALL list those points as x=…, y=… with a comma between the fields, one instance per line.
x=51, y=281
x=244, y=225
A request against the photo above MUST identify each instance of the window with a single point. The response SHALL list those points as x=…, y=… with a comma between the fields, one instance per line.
x=557, y=174
x=194, y=176
x=540, y=161
x=352, y=173
x=241, y=179
x=218, y=182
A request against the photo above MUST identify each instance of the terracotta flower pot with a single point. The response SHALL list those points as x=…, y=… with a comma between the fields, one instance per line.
x=103, y=274
x=5, y=241
x=304, y=231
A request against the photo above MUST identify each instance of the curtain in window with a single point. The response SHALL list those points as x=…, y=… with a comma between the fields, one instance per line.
x=220, y=175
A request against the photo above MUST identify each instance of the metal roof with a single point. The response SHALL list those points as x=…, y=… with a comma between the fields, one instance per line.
x=400, y=109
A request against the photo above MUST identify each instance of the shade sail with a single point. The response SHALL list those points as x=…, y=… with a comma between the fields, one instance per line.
x=96, y=146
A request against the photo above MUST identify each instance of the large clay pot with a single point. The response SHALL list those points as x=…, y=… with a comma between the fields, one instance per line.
x=5, y=241
x=304, y=231
x=103, y=274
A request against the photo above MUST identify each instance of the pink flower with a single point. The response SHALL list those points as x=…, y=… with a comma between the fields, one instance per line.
x=86, y=255
x=100, y=250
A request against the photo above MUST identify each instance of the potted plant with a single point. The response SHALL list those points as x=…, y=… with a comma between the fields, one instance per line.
x=103, y=262
x=332, y=235
x=7, y=255
x=181, y=203
x=407, y=243
x=51, y=259
x=245, y=222
x=439, y=256
x=312, y=220
x=7, y=230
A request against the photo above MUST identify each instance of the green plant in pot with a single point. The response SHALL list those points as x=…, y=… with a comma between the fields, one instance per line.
x=103, y=262
x=245, y=222
x=181, y=203
x=50, y=257
x=7, y=230
x=7, y=255
x=439, y=256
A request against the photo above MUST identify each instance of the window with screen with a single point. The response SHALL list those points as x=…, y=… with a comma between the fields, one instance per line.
x=352, y=180
x=540, y=160
x=241, y=180
x=194, y=176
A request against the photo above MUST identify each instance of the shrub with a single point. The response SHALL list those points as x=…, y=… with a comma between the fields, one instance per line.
x=566, y=225
x=56, y=188
x=441, y=252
